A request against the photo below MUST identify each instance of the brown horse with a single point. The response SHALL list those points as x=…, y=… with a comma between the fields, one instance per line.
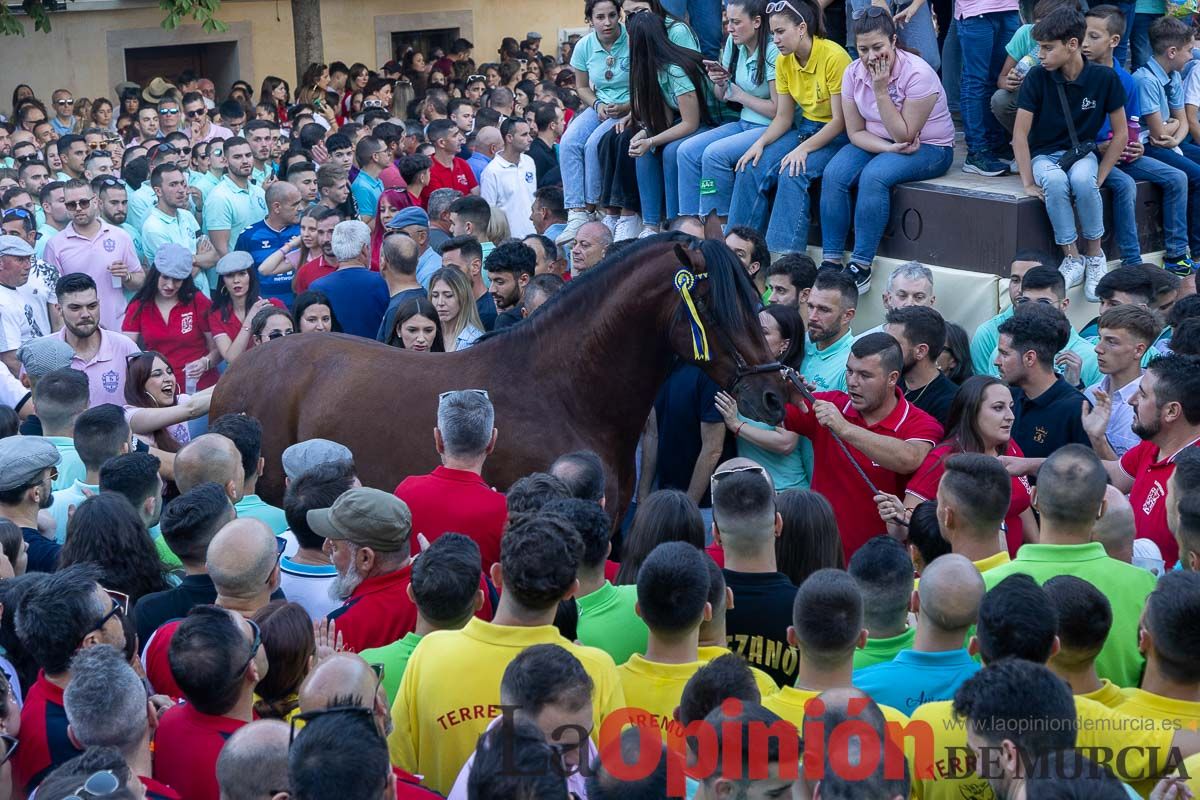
x=582, y=373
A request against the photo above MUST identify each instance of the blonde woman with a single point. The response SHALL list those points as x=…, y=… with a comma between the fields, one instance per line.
x=450, y=293
x=497, y=229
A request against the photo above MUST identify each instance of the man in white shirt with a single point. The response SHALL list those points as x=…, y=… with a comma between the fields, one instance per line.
x=1126, y=332
x=15, y=329
x=306, y=574
x=508, y=183
x=38, y=291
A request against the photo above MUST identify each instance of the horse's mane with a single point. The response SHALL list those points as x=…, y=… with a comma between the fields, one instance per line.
x=732, y=298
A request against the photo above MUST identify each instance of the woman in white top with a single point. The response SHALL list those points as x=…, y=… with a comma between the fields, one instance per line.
x=156, y=412
x=451, y=297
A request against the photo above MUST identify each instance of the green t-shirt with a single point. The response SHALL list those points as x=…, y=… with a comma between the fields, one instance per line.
x=608, y=622
x=165, y=555
x=1156, y=7
x=1125, y=586
x=878, y=651
x=394, y=658
x=746, y=76
x=1022, y=43
x=673, y=82
x=682, y=34
x=607, y=70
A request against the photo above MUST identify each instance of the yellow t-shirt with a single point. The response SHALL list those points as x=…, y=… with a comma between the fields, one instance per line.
x=451, y=691
x=814, y=85
x=951, y=773
x=1169, y=714
x=655, y=688
x=1109, y=694
x=995, y=560
x=766, y=684
x=1191, y=765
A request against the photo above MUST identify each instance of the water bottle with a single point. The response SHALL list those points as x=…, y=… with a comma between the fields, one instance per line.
x=1023, y=66
x=1135, y=133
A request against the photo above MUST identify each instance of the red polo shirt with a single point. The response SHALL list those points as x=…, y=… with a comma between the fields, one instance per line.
x=457, y=176
x=455, y=501
x=310, y=272
x=233, y=326
x=179, y=337
x=1149, y=496
x=186, y=748
x=158, y=791
x=44, y=741
x=857, y=515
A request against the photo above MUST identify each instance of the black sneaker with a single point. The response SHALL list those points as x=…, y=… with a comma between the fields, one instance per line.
x=861, y=275
x=831, y=265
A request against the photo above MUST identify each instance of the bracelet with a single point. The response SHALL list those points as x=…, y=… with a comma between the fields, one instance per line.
x=738, y=430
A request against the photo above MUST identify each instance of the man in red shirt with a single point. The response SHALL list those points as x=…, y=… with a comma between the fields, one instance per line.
x=1166, y=415
x=454, y=497
x=61, y=614
x=217, y=657
x=324, y=263
x=887, y=436
x=448, y=170
x=106, y=705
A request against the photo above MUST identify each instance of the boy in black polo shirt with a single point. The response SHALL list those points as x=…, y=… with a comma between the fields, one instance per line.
x=1046, y=407
x=1043, y=142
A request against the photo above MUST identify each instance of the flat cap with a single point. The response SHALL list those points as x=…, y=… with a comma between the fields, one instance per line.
x=44, y=355
x=15, y=246
x=173, y=261
x=413, y=215
x=22, y=459
x=235, y=261
x=365, y=517
x=303, y=456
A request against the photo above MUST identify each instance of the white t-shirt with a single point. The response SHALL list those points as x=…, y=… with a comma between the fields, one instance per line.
x=510, y=187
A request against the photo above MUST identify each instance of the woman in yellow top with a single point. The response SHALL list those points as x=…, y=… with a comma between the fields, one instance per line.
x=792, y=152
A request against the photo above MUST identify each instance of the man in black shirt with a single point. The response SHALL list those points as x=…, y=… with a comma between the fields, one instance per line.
x=27, y=468
x=548, y=117
x=745, y=526
x=1046, y=407
x=511, y=266
x=921, y=332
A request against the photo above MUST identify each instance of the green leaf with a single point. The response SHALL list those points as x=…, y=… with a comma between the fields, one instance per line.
x=175, y=11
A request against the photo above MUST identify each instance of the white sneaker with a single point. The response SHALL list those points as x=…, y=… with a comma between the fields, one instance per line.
x=1095, y=268
x=576, y=219
x=1072, y=270
x=627, y=228
x=648, y=231
x=611, y=221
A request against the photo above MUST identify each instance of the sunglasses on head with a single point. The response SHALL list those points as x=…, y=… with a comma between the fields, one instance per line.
x=870, y=12
x=309, y=716
x=480, y=392
x=98, y=784
x=16, y=213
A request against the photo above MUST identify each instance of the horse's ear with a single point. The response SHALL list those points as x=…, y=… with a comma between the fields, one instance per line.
x=712, y=227
x=685, y=259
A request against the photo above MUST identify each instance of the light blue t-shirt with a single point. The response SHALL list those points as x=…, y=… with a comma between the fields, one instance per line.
x=182, y=229
x=986, y=342
x=141, y=200
x=71, y=468
x=1022, y=43
x=607, y=70
x=673, y=82
x=786, y=471
x=231, y=208
x=826, y=369
x=204, y=181
x=64, y=500
x=746, y=76
x=682, y=34
x=366, y=191
x=253, y=507
x=1158, y=92
x=914, y=678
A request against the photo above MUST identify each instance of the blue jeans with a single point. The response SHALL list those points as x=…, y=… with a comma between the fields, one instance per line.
x=1068, y=193
x=706, y=163
x=1139, y=39
x=754, y=186
x=918, y=35
x=952, y=68
x=578, y=158
x=1189, y=165
x=983, y=39
x=1174, y=185
x=791, y=213
x=875, y=174
x=658, y=175
x=705, y=18
x=1121, y=51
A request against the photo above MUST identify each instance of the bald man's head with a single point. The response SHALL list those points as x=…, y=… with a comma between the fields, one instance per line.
x=211, y=457
x=951, y=590
x=345, y=679
x=242, y=558
x=487, y=138
x=254, y=761
x=1115, y=528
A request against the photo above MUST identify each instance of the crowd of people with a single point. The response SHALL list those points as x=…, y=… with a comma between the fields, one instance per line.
x=978, y=549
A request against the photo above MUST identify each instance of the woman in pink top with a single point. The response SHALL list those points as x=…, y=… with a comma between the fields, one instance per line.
x=900, y=130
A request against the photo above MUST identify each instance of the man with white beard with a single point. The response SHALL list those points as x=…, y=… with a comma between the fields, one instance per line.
x=366, y=536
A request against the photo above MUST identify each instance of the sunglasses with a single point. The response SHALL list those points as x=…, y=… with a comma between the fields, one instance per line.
x=77, y=205
x=254, y=645
x=871, y=12
x=66, y=101
x=780, y=5
x=108, y=181
x=120, y=605
x=168, y=111
x=99, y=784
x=100, y=153
x=1046, y=301
x=279, y=334
x=473, y=78
x=196, y=113
x=309, y=716
x=480, y=392
x=16, y=213
x=10, y=746
x=718, y=476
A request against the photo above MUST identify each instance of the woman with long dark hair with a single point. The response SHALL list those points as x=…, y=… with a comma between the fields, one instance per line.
x=417, y=328
x=809, y=540
x=671, y=100
x=276, y=93
x=667, y=515
x=955, y=359
x=355, y=84
x=102, y=115
x=105, y=530
x=236, y=300
x=900, y=130
x=170, y=315
x=313, y=312
x=290, y=646
x=155, y=408
x=980, y=421
x=745, y=75
x=773, y=446
x=313, y=91
x=791, y=153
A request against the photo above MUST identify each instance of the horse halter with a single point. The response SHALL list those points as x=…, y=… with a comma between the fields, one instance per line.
x=697, y=310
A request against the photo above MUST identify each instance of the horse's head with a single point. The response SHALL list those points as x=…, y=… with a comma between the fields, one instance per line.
x=716, y=327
